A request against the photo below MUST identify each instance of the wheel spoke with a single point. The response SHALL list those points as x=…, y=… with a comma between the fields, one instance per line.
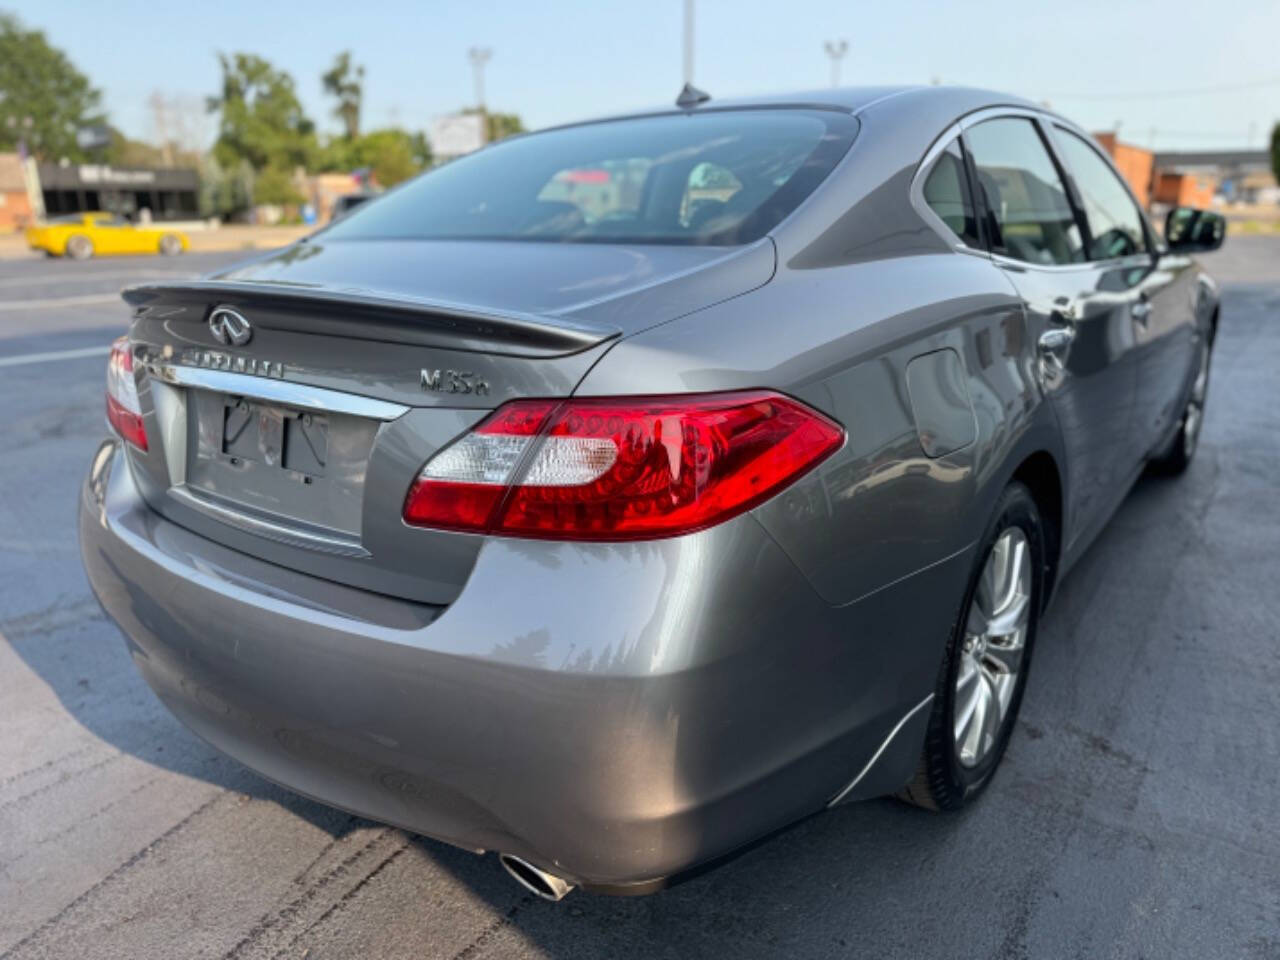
x=991, y=716
x=969, y=737
x=1011, y=619
x=969, y=692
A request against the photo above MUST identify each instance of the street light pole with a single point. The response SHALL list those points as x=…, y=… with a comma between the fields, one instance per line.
x=688, y=41
x=479, y=56
x=836, y=51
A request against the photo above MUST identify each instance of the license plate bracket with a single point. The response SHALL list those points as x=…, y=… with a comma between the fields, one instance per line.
x=276, y=436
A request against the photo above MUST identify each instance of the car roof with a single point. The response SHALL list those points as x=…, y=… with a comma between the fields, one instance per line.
x=956, y=99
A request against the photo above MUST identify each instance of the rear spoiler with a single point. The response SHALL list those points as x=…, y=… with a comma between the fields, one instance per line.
x=363, y=315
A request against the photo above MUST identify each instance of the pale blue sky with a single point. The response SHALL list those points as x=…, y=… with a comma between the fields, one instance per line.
x=558, y=60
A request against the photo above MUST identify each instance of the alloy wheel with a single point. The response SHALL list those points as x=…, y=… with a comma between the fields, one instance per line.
x=995, y=638
x=1194, y=415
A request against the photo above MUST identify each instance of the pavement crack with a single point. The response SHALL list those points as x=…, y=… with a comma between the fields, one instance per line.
x=266, y=935
x=110, y=879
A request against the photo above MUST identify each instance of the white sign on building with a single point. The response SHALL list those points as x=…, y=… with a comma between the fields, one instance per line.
x=457, y=134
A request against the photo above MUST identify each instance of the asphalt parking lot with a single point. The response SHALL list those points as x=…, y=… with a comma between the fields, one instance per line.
x=1135, y=816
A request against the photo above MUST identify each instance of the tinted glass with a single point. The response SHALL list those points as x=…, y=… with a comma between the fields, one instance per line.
x=1027, y=207
x=706, y=178
x=946, y=191
x=1115, y=226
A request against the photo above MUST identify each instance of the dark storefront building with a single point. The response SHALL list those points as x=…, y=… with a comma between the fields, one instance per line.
x=170, y=194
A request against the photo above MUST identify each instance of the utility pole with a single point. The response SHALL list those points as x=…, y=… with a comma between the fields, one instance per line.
x=836, y=51
x=160, y=117
x=479, y=56
x=688, y=41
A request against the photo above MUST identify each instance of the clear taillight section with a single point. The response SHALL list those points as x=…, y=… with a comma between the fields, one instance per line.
x=620, y=468
x=123, y=412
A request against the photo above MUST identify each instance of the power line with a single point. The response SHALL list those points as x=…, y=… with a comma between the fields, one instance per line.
x=1169, y=94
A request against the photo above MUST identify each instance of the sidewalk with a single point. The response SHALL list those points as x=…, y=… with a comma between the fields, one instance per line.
x=231, y=237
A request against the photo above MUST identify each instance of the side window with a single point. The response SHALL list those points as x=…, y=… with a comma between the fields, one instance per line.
x=946, y=191
x=1115, y=226
x=1026, y=203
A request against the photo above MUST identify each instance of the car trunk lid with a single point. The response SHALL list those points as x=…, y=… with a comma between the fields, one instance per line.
x=299, y=443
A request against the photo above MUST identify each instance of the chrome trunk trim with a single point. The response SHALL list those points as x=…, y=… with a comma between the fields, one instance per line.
x=277, y=391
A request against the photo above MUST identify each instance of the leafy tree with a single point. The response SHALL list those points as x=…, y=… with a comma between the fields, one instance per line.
x=44, y=99
x=499, y=125
x=261, y=117
x=275, y=186
x=124, y=152
x=392, y=155
x=224, y=191
x=346, y=82
x=1275, y=151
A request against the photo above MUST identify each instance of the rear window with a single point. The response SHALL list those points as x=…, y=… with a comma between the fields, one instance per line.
x=712, y=178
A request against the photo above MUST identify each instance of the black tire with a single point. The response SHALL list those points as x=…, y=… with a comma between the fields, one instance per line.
x=170, y=245
x=79, y=247
x=1182, y=448
x=941, y=781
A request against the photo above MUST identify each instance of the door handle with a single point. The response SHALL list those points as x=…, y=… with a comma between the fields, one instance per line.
x=1053, y=345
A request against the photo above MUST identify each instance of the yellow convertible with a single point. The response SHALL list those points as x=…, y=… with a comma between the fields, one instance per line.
x=82, y=235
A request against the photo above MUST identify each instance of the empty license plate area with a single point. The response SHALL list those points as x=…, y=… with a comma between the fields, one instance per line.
x=276, y=436
x=288, y=466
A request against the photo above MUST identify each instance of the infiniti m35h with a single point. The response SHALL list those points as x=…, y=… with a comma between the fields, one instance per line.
x=621, y=493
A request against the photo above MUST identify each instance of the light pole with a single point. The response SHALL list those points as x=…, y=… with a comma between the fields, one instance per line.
x=688, y=41
x=479, y=56
x=836, y=51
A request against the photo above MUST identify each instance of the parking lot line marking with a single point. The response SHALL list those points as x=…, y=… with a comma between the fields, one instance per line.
x=60, y=278
x=49, y=356
x=61, y=302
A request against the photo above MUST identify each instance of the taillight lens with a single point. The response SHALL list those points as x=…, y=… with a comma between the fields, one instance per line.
x=620, y=468
x=123, y=412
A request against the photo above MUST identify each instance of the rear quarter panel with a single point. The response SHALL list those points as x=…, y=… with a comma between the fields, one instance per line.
x=864, y=286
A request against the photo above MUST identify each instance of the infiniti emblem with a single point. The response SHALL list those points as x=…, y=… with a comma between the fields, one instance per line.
x=230, y=327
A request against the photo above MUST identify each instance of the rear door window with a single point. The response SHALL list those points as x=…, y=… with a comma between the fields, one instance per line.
x=1027, y=209
x=946, y=191
x=1115, y=225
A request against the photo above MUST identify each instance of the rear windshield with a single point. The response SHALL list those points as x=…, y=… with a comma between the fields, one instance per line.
x=710, y=178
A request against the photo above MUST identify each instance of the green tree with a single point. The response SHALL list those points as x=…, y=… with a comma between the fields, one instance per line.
x=262, y=120
x=392, y=155
x=499, y=125
x=346, y=82
x=1275, y=151
x=44, y=99
x=224, y=192
x=276, y=186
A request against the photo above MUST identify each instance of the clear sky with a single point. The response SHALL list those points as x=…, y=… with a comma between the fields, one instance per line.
x=1146, y=65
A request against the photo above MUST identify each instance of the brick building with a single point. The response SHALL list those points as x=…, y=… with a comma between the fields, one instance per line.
x=16, y=210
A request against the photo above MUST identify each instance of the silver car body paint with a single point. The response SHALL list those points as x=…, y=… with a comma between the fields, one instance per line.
x=615, y=713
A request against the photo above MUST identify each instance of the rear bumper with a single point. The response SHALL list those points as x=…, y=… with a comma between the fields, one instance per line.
x=612, y=713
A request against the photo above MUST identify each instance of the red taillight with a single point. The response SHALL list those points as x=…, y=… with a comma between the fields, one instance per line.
x=123, y=412
x=620, y=469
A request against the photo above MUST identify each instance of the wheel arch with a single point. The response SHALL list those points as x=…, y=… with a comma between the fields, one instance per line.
x=1039, y=473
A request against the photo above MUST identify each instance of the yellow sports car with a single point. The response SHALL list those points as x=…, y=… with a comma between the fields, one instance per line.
x=82, y=235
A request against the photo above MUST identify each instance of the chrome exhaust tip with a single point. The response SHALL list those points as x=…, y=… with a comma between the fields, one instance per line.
x=538, y=882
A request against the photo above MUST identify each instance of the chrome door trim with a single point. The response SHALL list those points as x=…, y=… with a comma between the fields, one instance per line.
x=285, y=392
x=916, y=194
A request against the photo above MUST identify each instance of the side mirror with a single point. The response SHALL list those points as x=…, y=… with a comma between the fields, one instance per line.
x=1188, y=230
